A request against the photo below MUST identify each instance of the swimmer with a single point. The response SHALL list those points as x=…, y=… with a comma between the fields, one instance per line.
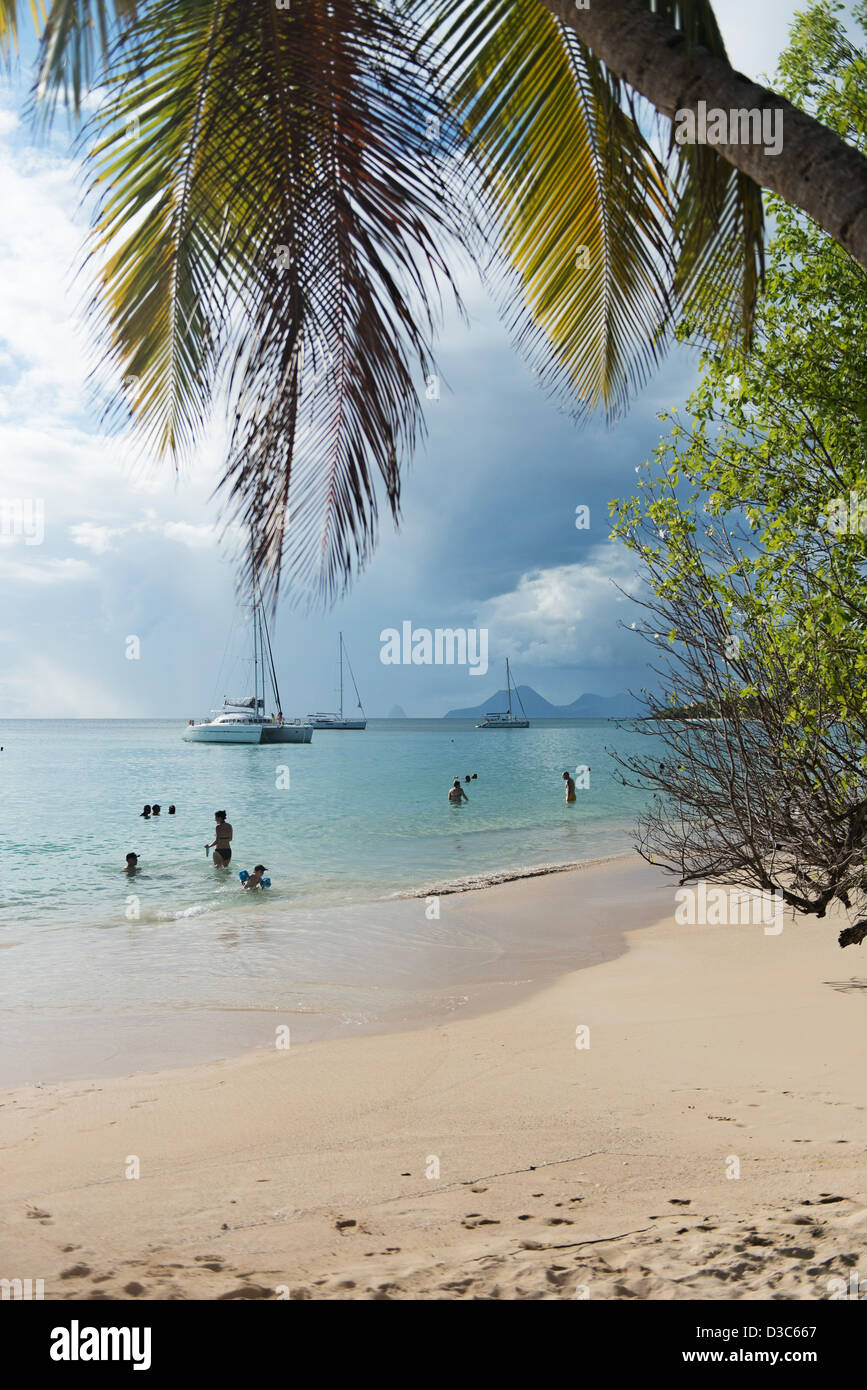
x=155, y=809
x=570, y=787
x=221, y=844
x=468, y=778
x=131, y=864
x=457, y=793
x=146, y=813
x=475, y=776
x=254, y=880
x=171, y=810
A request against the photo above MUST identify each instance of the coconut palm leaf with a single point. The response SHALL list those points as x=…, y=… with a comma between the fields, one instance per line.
x=566, y=162
x=74, y=44
x=9, y=10
x=719, y=217
x=75, y=37
x=275, y=216
x=272, y=219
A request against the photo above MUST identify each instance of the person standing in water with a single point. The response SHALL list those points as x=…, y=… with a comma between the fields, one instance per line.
x=570, y=787
x=222, y=842
x=457, y=793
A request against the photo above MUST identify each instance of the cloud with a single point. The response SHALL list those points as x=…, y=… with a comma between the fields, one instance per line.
x=100, y=539
x=201, y=537
x=93, y=537
x=566, y=615
x=37, y=571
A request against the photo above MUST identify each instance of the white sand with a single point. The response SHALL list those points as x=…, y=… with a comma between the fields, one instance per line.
x=303, y=1173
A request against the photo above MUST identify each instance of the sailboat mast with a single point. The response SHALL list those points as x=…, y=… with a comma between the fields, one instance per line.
x=341, y=675
x=262, y=650
x=255, y=658
x=509, y=686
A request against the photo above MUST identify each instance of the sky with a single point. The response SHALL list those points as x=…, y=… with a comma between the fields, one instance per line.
x=113, y=546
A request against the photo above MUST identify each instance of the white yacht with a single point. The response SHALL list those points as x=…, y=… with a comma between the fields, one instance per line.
x=338, y=721
x=506, y=719
x=243, y=719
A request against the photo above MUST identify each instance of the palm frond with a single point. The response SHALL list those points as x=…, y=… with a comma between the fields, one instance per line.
x=9, y=11
x=75, y=43
x=566, y=164
x=163, y=187
x=288, y=219
x=719, y=221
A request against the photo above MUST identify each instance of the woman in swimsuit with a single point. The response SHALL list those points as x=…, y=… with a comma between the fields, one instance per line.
x=221, y=844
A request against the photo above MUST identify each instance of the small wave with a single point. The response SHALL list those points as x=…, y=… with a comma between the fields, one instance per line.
x=197, y=910
x=476, y=881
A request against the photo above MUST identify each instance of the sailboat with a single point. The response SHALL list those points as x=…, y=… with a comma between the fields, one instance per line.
x=337, y=721
x=506, y=720
x=242, y=718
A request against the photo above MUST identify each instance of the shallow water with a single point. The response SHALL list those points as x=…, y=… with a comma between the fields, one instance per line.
x=358, y=818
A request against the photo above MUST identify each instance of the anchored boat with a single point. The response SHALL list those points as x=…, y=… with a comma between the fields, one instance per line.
x=243, y=719
x=337, y=721
x=506, y=720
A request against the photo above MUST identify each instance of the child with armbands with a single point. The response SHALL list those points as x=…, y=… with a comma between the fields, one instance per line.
x=255, y=879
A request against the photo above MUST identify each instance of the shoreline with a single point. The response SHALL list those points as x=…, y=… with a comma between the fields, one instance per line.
x=470, y=960
x=487, y=1156
x=474, y=882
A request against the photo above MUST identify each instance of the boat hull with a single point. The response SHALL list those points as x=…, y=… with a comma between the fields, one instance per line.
x=338, y=723
x=222, y=733
x=512, y=724
x=287, y=733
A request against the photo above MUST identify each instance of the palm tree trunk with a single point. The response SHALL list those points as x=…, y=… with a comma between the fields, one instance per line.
x=815, y=170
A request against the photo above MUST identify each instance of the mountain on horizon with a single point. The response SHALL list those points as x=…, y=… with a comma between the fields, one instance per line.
x=587, y=706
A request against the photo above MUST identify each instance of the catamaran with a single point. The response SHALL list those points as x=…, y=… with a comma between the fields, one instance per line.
x=337, y=721
x=242, y=719
x=506, y=720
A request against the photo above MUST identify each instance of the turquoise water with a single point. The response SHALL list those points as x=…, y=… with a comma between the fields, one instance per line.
x=356, y=819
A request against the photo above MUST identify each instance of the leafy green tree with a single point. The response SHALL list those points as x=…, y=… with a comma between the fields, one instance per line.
x=753, y=536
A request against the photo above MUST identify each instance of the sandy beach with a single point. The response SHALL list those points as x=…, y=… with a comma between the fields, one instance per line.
x=707, y=1144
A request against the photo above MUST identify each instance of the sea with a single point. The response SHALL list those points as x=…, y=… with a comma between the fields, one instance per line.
x=104, y=974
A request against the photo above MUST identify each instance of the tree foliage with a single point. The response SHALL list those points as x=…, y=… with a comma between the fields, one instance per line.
x=752, y=533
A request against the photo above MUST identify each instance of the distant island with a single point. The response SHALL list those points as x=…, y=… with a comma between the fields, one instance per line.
x=396, y=712
x=537, y=707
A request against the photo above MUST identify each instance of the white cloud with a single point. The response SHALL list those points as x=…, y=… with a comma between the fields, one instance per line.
x=93, y=537
x=38, y=571
x=99, y=539
x=565, y=615
x=201, y=537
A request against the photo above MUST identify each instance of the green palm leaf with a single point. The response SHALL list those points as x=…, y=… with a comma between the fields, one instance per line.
x=9, y=10
x=75, y=43
x=75, y=38
x=565, y=163
x=233, y=128
x=286, y=212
